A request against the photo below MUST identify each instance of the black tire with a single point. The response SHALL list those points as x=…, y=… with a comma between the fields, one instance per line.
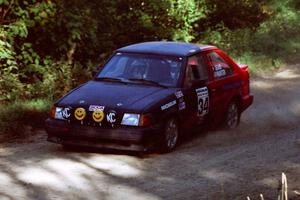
x=232, y=117
x=171, y=134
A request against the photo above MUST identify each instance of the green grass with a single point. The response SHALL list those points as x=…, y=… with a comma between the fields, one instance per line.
x=259, y=63
x=14, y=117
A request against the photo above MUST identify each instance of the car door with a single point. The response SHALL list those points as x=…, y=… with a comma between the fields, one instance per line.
x=195, y=89
x=223, y=84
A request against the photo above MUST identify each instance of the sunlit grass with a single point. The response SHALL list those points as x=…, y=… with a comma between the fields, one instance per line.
x=259, y=63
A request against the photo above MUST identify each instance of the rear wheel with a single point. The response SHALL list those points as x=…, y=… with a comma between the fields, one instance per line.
x=232, y=118
x=171, y=134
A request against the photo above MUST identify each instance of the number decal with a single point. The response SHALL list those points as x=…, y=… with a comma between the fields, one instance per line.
x=203, y=106
x=200, y=105
x=203, y=100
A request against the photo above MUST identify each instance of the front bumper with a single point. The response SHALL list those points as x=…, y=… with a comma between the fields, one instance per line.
x=122, y=138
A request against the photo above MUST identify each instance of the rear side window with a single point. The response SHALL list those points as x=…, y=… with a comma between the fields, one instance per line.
x=196, y=69
x=220, y=67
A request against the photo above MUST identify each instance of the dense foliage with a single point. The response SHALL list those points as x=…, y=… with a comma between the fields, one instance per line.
x=49, y=46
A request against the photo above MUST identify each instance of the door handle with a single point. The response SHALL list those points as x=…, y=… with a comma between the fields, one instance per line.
x=213, y=90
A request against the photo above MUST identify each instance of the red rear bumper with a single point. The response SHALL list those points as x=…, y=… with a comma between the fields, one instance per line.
x=247, y=101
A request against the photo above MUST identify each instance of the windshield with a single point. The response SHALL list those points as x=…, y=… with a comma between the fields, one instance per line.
x=163, y=70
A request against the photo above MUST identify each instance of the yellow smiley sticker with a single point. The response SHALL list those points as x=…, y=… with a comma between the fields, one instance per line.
x=98, y=115
x=80, y=113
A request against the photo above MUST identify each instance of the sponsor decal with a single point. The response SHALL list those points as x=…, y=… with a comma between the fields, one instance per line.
x=219, y=71
x=98, y=116
x=111, y=117
x=181, y=105
x=80, y=113
x=203, y=100
x=232, y=85
x=96, y=107
x=179, y=94
x=217, y=67
x=81, y=101
x=168, y=105
x=66, y=113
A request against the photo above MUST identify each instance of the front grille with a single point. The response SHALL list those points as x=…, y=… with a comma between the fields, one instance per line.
x=90, y=122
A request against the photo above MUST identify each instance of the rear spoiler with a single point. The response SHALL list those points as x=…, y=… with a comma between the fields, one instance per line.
x=243, y=66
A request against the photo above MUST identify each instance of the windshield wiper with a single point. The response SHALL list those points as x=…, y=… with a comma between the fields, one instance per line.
x=111, y=79
x=147, y=82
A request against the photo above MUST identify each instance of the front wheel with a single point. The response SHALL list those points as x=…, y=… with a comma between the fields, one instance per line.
x=171, y=134
x=232, y=118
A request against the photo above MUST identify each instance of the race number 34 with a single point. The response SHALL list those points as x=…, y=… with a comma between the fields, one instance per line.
x=203, y=100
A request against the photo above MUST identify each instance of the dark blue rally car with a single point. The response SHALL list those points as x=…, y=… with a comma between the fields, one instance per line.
x=147, y=93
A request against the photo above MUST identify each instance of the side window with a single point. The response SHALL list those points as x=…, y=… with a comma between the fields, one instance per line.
x=189, y=76
x=202, y=68
x=220, y=67
x=196, y=70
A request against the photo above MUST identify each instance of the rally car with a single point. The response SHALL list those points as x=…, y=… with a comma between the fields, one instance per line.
x=147, y=94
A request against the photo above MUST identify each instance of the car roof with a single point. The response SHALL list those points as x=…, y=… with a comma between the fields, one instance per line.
x=165, y=48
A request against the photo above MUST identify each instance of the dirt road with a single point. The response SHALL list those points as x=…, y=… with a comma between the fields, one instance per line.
x=211, y=165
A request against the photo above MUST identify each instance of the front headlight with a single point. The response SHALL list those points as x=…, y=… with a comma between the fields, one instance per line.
x=56, y=113
x=130, y=119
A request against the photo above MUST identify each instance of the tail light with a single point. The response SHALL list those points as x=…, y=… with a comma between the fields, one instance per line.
x=245, y=88
x=246, y=82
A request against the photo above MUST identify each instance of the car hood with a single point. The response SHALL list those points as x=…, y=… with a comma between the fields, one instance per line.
x=108, y=94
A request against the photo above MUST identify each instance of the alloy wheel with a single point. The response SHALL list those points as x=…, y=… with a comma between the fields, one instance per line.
x=232, y=118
